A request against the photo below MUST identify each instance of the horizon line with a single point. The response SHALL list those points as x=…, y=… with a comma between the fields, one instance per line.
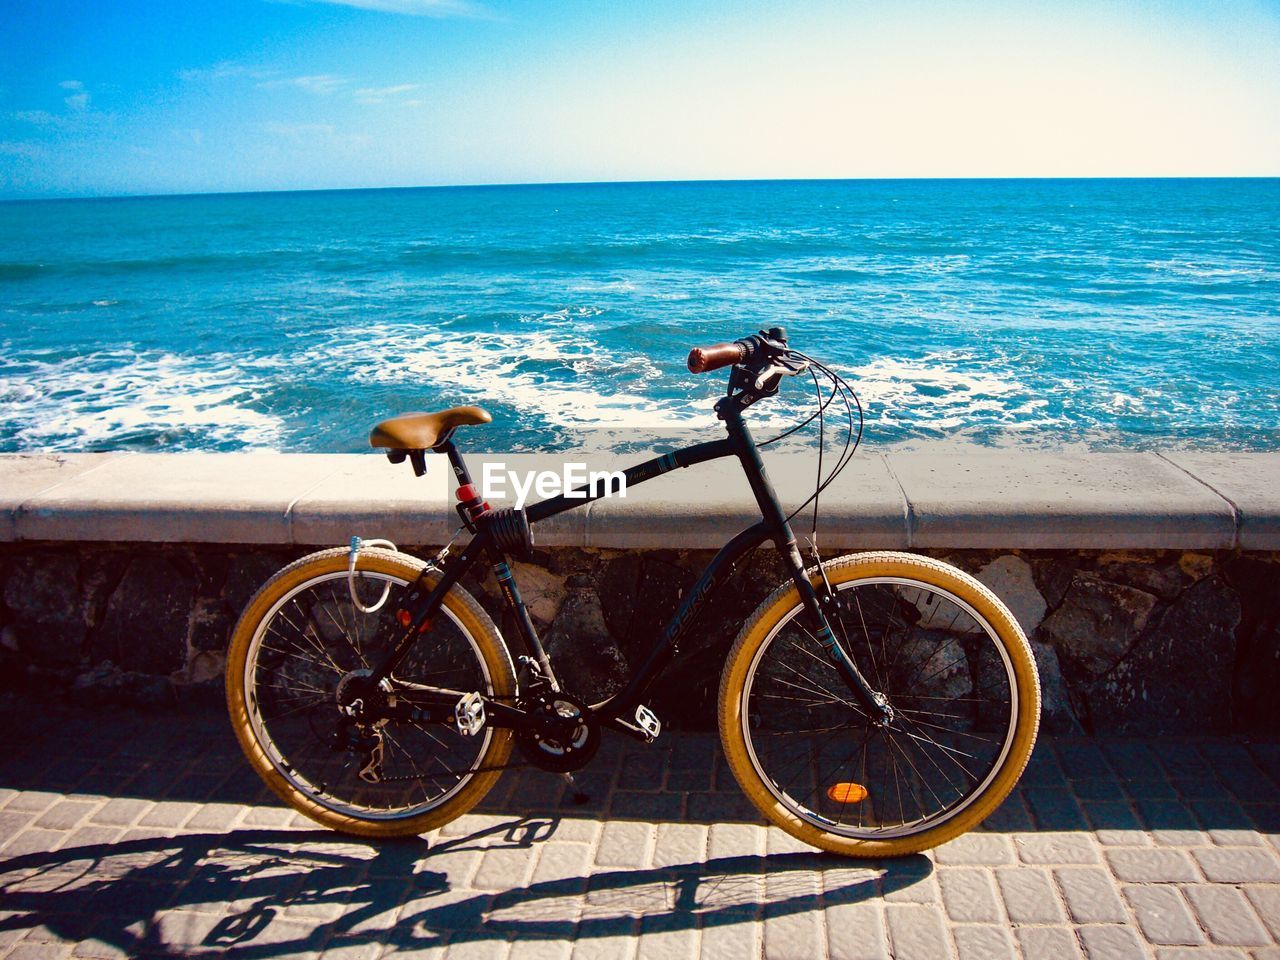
x=599, y=183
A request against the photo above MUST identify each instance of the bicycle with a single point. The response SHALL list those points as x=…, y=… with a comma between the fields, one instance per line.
x=873, y=705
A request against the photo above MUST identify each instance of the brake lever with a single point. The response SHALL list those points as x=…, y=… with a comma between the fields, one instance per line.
x=787, y=365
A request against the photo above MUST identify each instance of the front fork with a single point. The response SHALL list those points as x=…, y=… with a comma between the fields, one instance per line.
x=820, y=605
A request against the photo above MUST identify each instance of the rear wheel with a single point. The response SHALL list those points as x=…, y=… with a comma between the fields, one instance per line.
x=302, y=640
x=957, y=671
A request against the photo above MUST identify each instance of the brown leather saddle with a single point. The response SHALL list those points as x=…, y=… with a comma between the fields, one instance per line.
x=412, y=434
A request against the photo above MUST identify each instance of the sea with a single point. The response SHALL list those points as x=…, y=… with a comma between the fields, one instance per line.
x=1092, y=314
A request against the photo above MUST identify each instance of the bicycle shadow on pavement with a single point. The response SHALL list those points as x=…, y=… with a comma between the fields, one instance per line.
x=262, y=893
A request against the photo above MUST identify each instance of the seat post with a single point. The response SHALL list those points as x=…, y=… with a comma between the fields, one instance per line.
x=455, y=460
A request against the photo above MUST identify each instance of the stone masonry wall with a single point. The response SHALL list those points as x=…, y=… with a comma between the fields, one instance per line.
x=1127, y=642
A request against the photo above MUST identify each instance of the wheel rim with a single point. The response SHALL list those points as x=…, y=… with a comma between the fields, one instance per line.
x=953, y=688
x=312, y=637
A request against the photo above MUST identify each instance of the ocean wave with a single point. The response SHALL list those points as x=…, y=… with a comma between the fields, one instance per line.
x=120, y=398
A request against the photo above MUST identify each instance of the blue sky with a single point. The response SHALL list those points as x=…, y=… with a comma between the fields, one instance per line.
x=142, y=96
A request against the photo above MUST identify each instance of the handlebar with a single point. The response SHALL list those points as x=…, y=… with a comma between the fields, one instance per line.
x=706, y=359
x=755, y=350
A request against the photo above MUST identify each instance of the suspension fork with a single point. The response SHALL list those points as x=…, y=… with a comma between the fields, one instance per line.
x=872, y=701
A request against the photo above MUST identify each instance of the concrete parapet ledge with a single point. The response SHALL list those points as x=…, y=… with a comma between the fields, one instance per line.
x=925, y=499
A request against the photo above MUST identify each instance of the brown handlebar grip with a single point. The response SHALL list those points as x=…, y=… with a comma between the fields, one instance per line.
x=706, y=359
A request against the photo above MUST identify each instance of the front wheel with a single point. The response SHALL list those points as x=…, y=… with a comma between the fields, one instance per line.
x=302, y=640
x=957, y=672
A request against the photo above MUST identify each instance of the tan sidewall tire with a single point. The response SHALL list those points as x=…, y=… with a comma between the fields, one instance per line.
x=460, y=603
x=858, y=567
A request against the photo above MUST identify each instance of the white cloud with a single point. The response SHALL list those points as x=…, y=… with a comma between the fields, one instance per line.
x=413, y=8
x=79, y=102
x=386, y=91
x=322, y=83
x=18, y=148
x=371, y=95
x=71, y=85
x=224, y=70
x=299, y=132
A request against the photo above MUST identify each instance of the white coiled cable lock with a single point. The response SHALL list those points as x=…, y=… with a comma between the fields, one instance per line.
x=357, y=545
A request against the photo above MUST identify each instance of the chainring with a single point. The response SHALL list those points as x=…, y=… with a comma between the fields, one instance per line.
x=575, y=741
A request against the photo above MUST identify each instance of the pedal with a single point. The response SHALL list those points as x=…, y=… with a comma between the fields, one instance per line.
x=648, y=721
x=469, y=714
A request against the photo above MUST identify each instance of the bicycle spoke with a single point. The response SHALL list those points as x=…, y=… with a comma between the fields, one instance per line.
x=915, y=771
x=300, y=650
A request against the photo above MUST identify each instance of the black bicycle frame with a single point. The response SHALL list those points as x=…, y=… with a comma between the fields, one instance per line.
x=422, y=604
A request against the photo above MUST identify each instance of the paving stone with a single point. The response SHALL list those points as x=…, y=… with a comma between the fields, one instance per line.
x=855, y=931
x=479, y=947
x=1048, y=943
x=33, y=801
x=39, y=951
x=531, y=949
x=652, y=807
x=1082, y=759
x=1150, y=788
x=1091, y=895
x=357, y=951
x=668, y=937
x=976, y=849
x=1132, y=758
x=620, y=945
x=624, y=844
x=1235, y=838
x=218, y=817
x=1152, y=866
x=91, y=836
x=793, y=929
x=168, y=814
x=1043, y=769
x=33, y=840
x=1239, y=865
x=1029, y=895
x=734, y=840
x=1266, y=901
x=1111, y=943
x=65, y=814
x=1226, y=915
x=1163, y=915
x=679, y=843
x=969, y=895
x=730, y=941
x=532, y=868
x=1171, y=823
x=13, y=822
x=576, y=830
x=1116, y=824
x=121, y=811
x=562, y=862
x=1199, y=953
x=917, y=932
x=1056, y=810
x=1011, y=816
x=911, y=887
x=502, y=868
x=1099, y=790
x=982, y=943
x=1055, y=848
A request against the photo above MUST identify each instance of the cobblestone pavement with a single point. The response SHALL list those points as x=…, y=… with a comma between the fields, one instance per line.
x=131, y=835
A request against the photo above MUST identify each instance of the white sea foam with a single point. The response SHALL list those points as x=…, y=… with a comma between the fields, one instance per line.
x=118, y=397
x=559, y=375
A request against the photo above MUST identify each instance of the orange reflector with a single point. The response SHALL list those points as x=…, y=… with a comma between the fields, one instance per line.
x=847, y=792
